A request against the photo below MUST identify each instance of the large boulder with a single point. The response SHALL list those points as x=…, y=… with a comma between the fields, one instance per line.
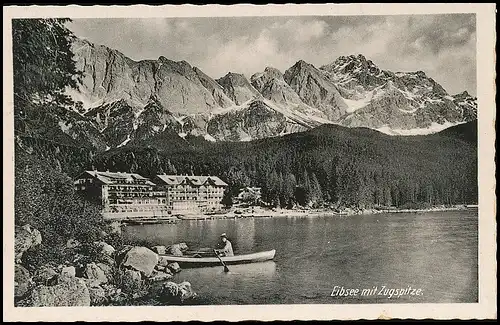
x=131, y=281
x=26, y=237
x=161, y=250
x=141, y=259
x=95, y=273
x=22, y=281
x=68, y=292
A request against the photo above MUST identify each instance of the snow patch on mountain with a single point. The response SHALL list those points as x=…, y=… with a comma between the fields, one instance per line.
x=433, y=128
x=354, y=105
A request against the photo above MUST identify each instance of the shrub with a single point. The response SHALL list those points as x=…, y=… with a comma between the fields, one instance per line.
x=45, y=199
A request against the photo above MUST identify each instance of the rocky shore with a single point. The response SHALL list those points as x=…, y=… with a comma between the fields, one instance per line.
x=257, y=212
x=127, y=275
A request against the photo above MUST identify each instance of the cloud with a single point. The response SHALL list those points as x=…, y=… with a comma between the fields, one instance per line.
x=443, y=46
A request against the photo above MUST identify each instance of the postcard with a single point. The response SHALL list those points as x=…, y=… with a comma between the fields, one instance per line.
x=244, y=162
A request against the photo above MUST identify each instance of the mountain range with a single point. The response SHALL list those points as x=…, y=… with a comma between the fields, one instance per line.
x=132, y=101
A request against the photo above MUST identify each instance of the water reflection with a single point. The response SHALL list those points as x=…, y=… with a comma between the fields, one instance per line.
x=436, y=252
x=244, y=231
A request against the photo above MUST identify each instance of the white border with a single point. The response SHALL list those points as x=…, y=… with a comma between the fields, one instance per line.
x=485, y=309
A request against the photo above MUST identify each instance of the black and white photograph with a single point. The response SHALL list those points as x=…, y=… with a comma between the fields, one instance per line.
x=331, y=159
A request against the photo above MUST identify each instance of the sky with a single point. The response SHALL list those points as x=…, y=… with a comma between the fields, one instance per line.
x=443, y=46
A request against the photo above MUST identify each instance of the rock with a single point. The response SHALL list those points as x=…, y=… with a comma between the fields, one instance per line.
x=72, y=243
x=22, y=281
x=183, y=246
x=97, y=296
x=185, y=291
x=69, y=292
x=26, y=237
x=162, y=261
x=142, y=259
x=106, y=248
x=175, y=250
x=160, y=276
x=68, y=271
x=170, y=291
x=174, y=267
x=176, y=293
x=46, y=275
x=131, y=281
x=163, y=268
x=95, y=273
x=162, y=250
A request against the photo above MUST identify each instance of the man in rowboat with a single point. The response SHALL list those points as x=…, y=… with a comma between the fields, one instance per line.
x=227, y=247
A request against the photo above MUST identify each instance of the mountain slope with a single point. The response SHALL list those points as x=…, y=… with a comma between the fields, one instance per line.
x=237, y=87
x=110, y=76
x=315, y=90
x=351, y=91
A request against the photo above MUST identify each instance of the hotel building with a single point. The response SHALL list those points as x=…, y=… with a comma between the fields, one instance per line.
x=192, y=194
x=127, y=195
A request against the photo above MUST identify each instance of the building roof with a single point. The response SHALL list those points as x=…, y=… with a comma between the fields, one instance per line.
x=113, y=177
x=193, y=180
x=250, y=189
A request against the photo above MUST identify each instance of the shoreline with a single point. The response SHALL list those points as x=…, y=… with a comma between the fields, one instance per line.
x=274, y=213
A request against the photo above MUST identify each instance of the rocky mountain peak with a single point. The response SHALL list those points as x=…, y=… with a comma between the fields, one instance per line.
x=315, y=89
x=235, y=79
x=302, y=65
x=273, y=73
x=214, y=88
x=237, y=87
x=128, y=100
x=463, y=95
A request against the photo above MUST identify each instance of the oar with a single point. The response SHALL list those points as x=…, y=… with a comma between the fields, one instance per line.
x=223, y=264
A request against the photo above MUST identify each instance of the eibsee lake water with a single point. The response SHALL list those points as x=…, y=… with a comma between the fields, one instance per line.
x=436, y=252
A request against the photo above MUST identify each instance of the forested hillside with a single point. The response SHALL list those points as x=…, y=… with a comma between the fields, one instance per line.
x=354, y=167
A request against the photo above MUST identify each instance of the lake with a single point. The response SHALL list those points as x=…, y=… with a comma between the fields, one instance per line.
x=436, y=252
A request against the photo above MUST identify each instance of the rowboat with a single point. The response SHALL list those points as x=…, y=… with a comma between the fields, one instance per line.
x=191, y=261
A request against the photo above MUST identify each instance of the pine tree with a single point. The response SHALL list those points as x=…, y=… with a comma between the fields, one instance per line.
x=43, y=64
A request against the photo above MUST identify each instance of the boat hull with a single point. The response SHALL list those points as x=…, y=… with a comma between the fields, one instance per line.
x=192, y=262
